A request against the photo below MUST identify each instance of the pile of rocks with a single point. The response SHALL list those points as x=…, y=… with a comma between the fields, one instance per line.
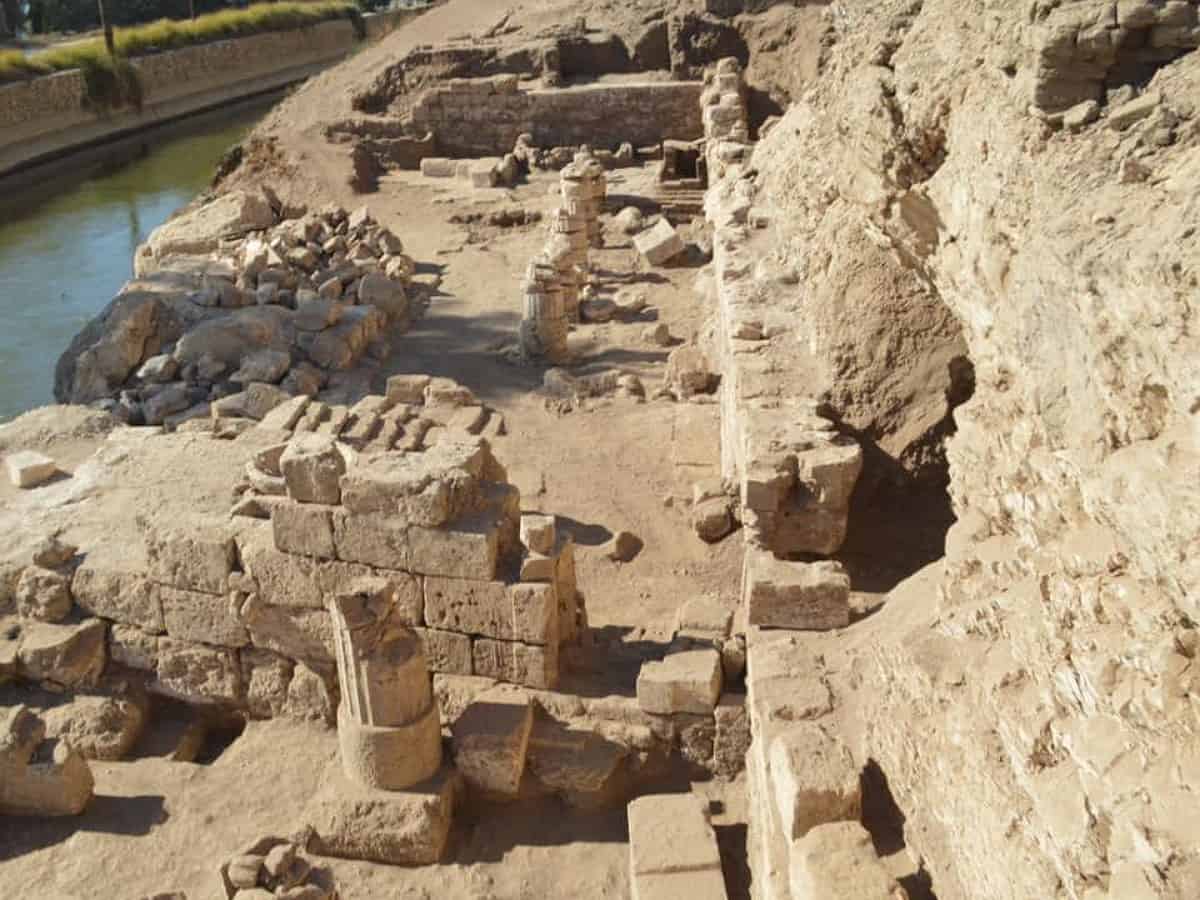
x=275, y=867
x=229, y=297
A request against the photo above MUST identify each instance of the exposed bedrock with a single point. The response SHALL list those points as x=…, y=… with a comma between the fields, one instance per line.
x=1029, y=690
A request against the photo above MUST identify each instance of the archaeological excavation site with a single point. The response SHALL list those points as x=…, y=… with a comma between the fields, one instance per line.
x=649, y=450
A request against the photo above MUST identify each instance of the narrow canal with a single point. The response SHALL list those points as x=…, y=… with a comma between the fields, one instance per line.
x=66, y=245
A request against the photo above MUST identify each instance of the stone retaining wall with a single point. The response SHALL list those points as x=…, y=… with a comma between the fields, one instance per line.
x=44, y=117
x=484, y=116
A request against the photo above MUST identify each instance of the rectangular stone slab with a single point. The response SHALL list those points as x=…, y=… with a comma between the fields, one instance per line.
x=783, y=594
x=408, y=828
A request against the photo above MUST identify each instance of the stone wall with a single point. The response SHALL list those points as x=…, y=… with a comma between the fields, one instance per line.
x=484, y=117
x=46, y=116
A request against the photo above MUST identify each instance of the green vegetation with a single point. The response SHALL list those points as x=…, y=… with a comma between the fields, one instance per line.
x=113, y=82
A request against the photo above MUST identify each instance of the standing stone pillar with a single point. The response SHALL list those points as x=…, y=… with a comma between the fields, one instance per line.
x=566, y=251
x=579, y=198
x=543, y=321
x=389, y=730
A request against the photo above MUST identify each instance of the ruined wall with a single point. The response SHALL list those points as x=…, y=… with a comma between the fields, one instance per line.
x=1033, y=705
x=484, y=117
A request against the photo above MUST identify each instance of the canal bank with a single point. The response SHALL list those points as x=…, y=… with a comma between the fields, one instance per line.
x=67, y=245
x=44, y=121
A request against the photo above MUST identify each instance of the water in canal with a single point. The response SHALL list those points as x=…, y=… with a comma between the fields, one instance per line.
x=66, y=246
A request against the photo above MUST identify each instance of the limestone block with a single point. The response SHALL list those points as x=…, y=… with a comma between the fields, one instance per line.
x=814, y=777
x=28, y=469
x=196, y=673
x=577, y=763
x=448, y=392
x=69, y=655
x=807, y=596
x=671, y=833
x=254, y=402
x=490, y=740
x=409, y=487
x=484, y=173
x=837, y=861
x=732, y=738
x=538, y=533
x=706, y=884
x=313, y=466
x=266, y=677
x=408, y=827
x=446, y=651
x=660, y=244
x=197, y=556
x=830, y=471
x=407, y=388
x=304, y=528
x=202, y=618
x=469, y=550
x=517, y=663
x=285, y=416
x=393, y=757
x=132, y=647
x=438, y=167
x=518, y=612
x=374, y=540
x=296, y=633
x=43, y=594
x=310, y=696
x=688, y=682
x=100, y=726
x=39, y=777
x=707, y=618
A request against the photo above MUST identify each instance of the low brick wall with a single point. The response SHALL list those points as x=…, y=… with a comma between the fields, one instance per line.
x=484, y=116
x=45, y=117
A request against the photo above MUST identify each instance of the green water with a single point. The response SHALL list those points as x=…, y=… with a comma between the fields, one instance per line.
x=66, y=246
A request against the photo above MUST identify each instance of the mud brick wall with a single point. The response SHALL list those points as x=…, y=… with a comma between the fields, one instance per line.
x=483, y=117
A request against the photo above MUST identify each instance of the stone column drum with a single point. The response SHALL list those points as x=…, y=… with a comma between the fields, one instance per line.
x=389, y=730
x=578, y=193
x=543, y=322
x=560, y=254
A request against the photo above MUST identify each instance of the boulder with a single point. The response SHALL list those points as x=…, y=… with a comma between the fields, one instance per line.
x=385, y=295
x=173, y=398
x=43, y=594
x=254, y=402
x=629, y=220
x=265, y=365
x=68, y=655
x=99, y=726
